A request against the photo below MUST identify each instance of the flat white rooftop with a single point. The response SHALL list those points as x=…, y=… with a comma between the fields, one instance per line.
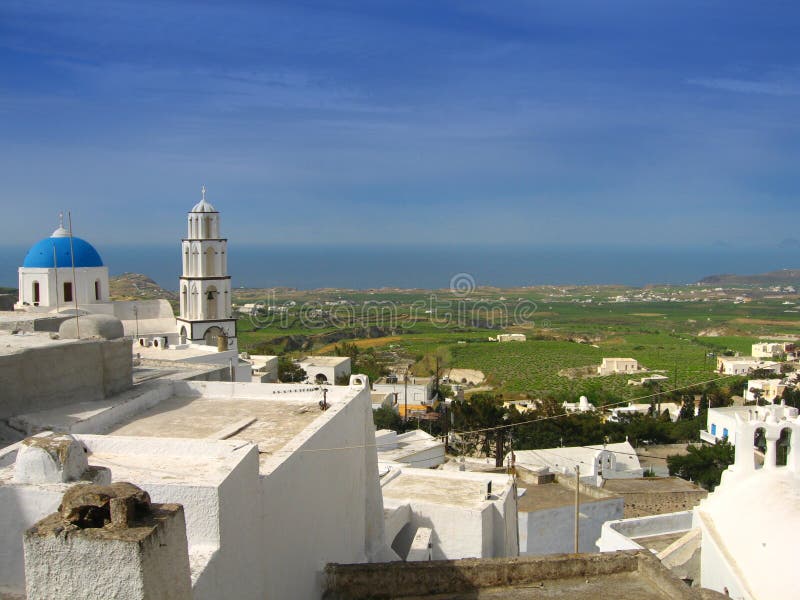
x=270, y=424
x=22, y=316
x=13, y=343
x=465, y=490
x=324, y=361
x=408, y=445
x=267, y=415
x=172, y=462
x=150, y=352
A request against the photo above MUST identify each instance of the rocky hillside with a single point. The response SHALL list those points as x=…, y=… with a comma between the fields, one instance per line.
x=135, y=286
x=782, y=277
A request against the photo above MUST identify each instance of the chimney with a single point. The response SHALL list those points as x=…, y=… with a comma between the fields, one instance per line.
x=108, y=541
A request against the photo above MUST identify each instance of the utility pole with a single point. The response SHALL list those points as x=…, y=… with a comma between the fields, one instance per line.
x=55, y=270
x=437, y=378
x=405, y=399
x=577, y=504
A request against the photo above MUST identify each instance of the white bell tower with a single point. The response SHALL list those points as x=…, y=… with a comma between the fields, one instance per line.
x=205, y=286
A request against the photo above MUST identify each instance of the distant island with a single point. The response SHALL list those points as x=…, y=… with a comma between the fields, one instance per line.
x=780, y=277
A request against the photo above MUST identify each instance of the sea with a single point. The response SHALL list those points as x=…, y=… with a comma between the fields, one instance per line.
x=435, y=267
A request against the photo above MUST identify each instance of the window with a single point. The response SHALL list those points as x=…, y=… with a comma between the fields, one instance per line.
x=97, y=289
x=67, y=291
x=782, y=448
x=725, y=432
x=713, y=429
x=35, y=293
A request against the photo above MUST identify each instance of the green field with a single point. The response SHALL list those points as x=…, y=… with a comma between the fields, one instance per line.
x=672, y=337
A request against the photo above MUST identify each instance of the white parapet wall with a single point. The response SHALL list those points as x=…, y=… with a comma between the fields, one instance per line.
x=622, y=533
x=552, y=530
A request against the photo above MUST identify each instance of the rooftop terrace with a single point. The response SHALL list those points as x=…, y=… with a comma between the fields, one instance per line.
x=269, y=424
x=630, y=575
x=465, y=490
x=12, y=343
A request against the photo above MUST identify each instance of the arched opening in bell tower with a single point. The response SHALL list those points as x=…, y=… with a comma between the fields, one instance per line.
x=211, y=336
x=212, y=296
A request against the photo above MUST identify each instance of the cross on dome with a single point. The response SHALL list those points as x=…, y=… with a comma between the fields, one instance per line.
x=60, y=232
x=204, y=205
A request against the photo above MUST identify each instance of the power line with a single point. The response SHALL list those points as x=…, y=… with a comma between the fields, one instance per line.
x=560, y=415
x=506, y=426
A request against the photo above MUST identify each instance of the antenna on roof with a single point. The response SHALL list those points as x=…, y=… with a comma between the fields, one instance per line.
x=74, y=281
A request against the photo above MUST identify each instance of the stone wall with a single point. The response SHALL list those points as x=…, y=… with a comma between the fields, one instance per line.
x=659, y=503
x=42, y=378
x=428, y=578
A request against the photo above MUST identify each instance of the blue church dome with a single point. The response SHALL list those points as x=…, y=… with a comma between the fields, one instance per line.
x=41, y=254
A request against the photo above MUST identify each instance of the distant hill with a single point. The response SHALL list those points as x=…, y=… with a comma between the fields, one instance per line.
x=782, y=277
x=8, y=296
x=135, y=286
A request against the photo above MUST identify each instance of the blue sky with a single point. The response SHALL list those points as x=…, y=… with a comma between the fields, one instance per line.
x=641, y=122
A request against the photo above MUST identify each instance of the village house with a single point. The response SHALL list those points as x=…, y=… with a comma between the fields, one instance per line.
x=612, y=366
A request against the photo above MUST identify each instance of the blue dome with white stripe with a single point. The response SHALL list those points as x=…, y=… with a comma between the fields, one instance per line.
x=43, y=256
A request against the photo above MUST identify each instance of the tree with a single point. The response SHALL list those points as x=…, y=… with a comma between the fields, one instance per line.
x=347, y=349
x=703, y=408
x=765, y=374
x=702, y=464
x=687, y=408
x=387, y=418
x=366, y=363
x=440, y=357
x=484, y=412
x=791, y=396
x=289, y=371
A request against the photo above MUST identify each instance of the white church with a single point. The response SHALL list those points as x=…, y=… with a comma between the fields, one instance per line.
x=205, y=287
x=51, y=281
x=63, y=275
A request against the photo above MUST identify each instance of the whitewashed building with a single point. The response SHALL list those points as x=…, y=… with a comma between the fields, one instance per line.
x=264, y=368
x=581, y=406
x=618, y=413
x=609, y=461
x=511, y=337
x=740, y=540
x=744, y=365
x=612, y=366
x=436, y=515
x=415, y=448
x=268, y=496
x=721, y=421
x=325, y=369
x=416, y=391
x=773, y=349
x=763, y=390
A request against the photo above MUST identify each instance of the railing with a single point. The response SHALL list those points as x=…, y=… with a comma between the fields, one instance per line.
x=708, y=437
